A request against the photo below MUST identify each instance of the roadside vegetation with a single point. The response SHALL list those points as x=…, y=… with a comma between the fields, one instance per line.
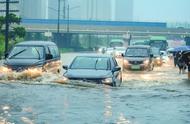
x=16, y=33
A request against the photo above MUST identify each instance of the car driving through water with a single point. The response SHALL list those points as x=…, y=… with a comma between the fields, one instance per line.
x=100, y=69
x=138, y=57
x=34, y=54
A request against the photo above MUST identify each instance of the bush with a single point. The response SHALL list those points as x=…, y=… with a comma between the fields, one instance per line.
x=2, y=44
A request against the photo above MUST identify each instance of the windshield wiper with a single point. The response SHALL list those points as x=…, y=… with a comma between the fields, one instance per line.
x=96, y=64
x=17, y=53
x=38, y=53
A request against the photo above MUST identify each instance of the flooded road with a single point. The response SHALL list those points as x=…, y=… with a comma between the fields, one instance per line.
x=158, y=97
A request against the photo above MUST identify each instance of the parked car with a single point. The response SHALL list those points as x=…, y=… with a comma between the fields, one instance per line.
x=138, y=57
x=34, y=54
x=100, y=69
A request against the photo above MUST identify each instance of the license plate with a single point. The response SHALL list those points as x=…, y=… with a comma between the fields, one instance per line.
x=135, y=67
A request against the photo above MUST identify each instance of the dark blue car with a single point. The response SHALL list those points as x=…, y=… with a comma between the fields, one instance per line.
x=30, y=54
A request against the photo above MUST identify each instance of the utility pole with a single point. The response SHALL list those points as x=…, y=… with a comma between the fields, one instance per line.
x=68, y=18
x=58, y=17
x=64, y=9
x=6, y=10
x=7, y=27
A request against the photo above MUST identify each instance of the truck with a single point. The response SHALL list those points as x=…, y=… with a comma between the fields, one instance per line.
x=159, y=42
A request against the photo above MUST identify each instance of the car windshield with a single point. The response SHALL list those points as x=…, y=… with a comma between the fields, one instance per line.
x=27, y=52
x=98, y=63
x=136, y=52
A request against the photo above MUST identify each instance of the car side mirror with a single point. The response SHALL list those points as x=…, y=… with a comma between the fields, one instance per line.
x=6, y=55
x=122, y=55
x=65, y=67
x=49, y=56
x=161, y=54
x=117, y=68
x=151, y=55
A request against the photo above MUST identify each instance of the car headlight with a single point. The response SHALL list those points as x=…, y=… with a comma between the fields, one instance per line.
x=126, y=62
x=65, y=79
x=146, y=62
x=107, y=80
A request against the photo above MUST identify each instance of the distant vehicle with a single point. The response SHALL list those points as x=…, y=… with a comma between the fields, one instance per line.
x=164, y=56
x=138, y=57
x=34, y=54
x=159, y=42
x=98, y=69
x=116, y=43
x=140, y=42
x=118, y=51
x=157, y=56
x=187, y=40
x=110, y=51
x=102, y=49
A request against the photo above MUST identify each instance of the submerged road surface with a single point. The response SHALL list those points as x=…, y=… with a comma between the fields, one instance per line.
x=158, y=97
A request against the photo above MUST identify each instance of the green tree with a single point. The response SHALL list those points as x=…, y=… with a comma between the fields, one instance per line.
x=19, y=31
x=16, y=35
x=2, y=48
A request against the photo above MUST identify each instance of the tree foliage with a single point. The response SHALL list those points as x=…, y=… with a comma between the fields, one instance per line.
x=16, y=33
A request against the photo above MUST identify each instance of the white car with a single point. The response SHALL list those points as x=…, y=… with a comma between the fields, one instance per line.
x=118, y=51
x=164, y=56
x=110, y=51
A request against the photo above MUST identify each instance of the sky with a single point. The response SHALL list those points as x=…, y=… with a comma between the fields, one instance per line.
x=162, y=10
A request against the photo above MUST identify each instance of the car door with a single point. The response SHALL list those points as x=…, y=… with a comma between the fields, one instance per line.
x=54, y=64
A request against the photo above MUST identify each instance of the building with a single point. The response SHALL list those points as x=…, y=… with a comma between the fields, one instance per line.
x=104, y=10
x=34, y=9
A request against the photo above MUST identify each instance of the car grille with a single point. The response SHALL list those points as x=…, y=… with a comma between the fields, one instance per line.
x=97, y=80
x=18, y=68
x=136, y=62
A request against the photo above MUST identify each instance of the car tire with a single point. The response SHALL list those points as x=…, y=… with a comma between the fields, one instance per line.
x=113, y=84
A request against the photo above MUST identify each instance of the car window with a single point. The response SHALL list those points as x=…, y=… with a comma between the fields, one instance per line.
x=52, y=51
x=90, y=63
x=27, y=52
x=137, y=52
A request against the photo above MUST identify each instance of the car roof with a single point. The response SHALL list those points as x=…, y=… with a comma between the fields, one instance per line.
x=139, y=46
x=96, y=56
x=37, y=43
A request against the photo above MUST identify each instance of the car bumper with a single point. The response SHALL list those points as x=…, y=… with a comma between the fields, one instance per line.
x=135, y=67
x=89, y=80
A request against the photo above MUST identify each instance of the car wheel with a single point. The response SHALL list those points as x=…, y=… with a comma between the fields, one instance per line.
x=120, y=81
x=113, y=84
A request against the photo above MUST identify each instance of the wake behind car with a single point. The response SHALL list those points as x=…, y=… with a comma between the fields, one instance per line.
x=100, y=69
x=138, y=57
x=34, y=54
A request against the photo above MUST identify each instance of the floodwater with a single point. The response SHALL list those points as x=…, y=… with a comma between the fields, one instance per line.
x=158, y=97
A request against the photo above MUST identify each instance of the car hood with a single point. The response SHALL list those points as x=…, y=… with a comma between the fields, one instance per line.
x=136, y=58
x=22, y=62
x=86, y=73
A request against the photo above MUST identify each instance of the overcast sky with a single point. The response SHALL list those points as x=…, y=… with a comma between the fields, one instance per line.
x=162, y=10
